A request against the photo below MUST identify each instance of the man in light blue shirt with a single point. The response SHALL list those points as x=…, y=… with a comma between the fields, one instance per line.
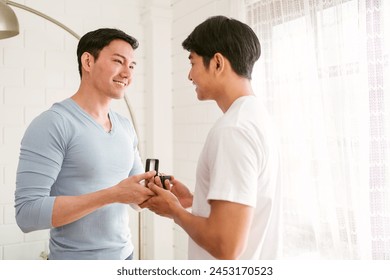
x=79, y=165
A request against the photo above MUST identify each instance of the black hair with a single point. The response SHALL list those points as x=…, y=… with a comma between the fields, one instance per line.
x=233, y=39
x=94, y=41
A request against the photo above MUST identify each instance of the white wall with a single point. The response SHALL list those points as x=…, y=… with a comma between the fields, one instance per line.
x=39, y=67
x=157, y=232
x=191, y=119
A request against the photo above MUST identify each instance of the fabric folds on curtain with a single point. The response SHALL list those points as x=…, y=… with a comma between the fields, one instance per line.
x=324, y=75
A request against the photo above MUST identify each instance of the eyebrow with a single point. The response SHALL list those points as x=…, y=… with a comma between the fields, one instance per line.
x=117, y=54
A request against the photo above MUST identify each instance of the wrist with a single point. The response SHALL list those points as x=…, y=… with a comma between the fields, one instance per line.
x=178, y=215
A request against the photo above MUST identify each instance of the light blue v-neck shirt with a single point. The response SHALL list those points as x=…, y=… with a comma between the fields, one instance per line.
x=66, y=152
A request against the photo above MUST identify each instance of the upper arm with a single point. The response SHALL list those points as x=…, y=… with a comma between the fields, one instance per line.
x=230, y=223
x=40, y=160
x=234, y=166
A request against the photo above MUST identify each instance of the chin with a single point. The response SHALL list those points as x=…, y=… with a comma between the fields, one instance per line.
x=118, y=96
x=201, y=97
x=198, y=95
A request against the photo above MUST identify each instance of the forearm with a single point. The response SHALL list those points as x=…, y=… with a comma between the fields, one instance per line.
x=199, y=229
x=34, y=215
x=209, y=235
x=224, y=233
x=68, y=209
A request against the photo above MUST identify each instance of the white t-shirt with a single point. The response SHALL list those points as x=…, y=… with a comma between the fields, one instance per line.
x=240, y=163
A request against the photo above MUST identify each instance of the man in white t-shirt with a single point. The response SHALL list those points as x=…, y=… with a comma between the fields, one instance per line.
x=236, y=206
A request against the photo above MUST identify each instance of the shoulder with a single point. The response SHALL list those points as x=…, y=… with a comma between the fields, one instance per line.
x=47, y=119
x=241, y=118
x=249, y=115
x=247, y=109
x=55, y=114
x=50, y=122
x=246, y=124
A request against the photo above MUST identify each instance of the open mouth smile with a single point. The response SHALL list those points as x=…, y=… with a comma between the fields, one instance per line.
x=120, y=83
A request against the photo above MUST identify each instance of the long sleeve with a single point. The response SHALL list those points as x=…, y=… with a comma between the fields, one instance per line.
x=40, y=160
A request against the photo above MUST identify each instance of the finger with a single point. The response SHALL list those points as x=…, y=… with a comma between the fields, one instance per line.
x=144, y=176
x=147, y=203
x=148, y=192
x=174, y=181
x=167, y=185
x=142, y=205
x=155, y=188
x=157, y=181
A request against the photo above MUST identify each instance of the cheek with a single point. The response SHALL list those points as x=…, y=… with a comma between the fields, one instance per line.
x=99, y=72
x=194, y=74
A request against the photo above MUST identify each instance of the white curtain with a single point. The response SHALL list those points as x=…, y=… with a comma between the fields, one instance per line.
x=324, y=76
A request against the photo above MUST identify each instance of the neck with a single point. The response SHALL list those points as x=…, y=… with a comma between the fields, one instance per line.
x=96, y=107
x=93, y=107
x=232, y=92
x=93, y=103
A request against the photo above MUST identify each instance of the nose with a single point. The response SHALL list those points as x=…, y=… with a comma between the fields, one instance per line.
x=189, y=76
x=126, y=72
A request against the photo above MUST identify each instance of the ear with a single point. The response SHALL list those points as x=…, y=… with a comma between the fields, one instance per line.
x=86, y=61
x=219, y=61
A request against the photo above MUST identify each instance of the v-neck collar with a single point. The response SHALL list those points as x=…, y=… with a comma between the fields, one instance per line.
x=91, y=119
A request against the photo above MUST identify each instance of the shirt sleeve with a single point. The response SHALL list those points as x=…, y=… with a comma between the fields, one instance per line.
x=235, y=166
x=41, y=155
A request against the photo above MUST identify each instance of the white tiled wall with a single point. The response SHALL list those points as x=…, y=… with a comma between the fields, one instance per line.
x=39, y=67
x=192, y=119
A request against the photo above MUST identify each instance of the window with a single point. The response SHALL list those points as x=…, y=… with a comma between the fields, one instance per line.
x=322, y=76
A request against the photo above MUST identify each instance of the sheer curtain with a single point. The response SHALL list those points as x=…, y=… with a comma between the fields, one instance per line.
x=324, y=76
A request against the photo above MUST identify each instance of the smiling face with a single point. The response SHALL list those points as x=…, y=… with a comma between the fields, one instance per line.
x=201, y=77
x=111, y=73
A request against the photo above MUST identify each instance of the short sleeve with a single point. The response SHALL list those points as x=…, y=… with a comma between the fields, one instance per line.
x=234, y=159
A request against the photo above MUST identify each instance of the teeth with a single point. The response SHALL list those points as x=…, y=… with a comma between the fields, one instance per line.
x=118, y=82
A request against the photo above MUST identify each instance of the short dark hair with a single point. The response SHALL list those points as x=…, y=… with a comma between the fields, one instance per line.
x=94, y=41
x=233, y=39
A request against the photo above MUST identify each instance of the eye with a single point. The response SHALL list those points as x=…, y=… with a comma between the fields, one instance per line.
x=118, y=61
